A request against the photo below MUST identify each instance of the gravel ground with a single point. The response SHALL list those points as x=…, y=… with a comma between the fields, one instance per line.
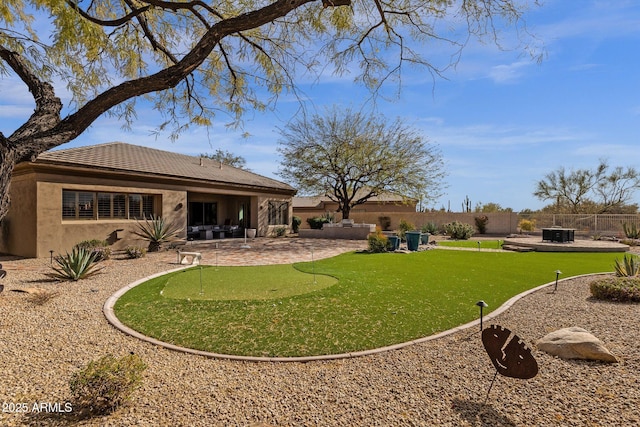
x=442, y=382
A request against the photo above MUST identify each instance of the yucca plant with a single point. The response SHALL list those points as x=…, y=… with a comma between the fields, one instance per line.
x=629, y=267
x=157, y=231
x=631, y=230
x=74, y=266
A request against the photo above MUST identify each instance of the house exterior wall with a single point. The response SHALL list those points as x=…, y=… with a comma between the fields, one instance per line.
x=34, y=225
x=18, y=233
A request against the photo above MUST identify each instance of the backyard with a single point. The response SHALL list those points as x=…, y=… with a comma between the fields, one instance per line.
x=352, y=302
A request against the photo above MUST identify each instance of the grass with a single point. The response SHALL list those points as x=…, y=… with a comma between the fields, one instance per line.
x=379, y=299
x=239, y=283
x=472, y=243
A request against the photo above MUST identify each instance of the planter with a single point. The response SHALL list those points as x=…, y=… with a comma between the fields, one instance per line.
x=394, y=242
x=251, y=233
x=413, y=240
x=424, y=238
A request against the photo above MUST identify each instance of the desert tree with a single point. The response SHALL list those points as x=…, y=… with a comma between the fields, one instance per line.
x=195, y=59
x=226, y=157
x=596, y=190
x=351, y=157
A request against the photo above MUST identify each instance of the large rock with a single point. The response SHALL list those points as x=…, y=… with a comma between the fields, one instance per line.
x=575, y=343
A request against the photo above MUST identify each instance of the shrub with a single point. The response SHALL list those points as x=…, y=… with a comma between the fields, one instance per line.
x=621, y=289
x=481, y=223
x=317, y=222
x=295, y=223
x=527, y=224
x=99, y=247
x=430, y=228
x=105, y=384
x=378, y=242
x=157, y=231
x=629, y=267
x=458, y=230
x=403, y=227
x=631, y=231
x=41, y=298
x=279, y=231
x=77, y=265
x=134, y=252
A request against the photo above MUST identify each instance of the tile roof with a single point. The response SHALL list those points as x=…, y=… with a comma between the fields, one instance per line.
x=119, y=156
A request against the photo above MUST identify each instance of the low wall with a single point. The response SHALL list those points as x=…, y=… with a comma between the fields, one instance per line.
x=357, y=232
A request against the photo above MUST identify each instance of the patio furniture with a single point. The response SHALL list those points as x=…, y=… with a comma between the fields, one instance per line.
x=559, y=235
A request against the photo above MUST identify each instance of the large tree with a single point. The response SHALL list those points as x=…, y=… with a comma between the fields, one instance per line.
x=193, y=59
x=597, y=190
x=351, y=157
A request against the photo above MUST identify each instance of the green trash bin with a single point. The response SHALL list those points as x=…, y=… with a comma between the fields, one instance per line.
x=413, y=240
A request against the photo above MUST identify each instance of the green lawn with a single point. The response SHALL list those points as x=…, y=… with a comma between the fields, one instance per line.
x=378, y=300
x=471, y=243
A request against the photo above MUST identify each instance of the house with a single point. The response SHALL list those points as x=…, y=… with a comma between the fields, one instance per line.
x=102, y=191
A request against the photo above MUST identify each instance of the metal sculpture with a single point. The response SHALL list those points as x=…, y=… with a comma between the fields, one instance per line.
x=511, y=358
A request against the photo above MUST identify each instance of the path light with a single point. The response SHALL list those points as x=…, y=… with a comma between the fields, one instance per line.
x=478, y=245
x=201, y=291
x=558, y=273
x=216, y=256
x=482, y=305
x=51, y=256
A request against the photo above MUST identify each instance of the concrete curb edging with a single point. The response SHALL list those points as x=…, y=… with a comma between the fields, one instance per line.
x=108, y=310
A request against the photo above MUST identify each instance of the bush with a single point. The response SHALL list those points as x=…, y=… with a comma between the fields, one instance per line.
x=527, y=224
x=403, y=227
x=77, y=265
x=317, y=222
x=279, y=231
x=621, y=289
x=295, y=223
x=99, y=247
x=629, y=267
x=134, y=252
x=378, y=242
x=430, y=228
x=105, y=384
x=481, y=223
x=458, y=230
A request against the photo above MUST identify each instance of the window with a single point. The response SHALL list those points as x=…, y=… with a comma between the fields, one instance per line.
x=82, y=205
x=278, y=213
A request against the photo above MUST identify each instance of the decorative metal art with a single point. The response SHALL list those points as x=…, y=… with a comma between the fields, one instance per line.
x=511, y=357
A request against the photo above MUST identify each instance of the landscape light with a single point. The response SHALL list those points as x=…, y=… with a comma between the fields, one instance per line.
x=482, y=305
x=558, y=273
x=478, y=245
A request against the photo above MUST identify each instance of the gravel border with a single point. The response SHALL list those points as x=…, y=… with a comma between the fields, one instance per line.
x=440, y=382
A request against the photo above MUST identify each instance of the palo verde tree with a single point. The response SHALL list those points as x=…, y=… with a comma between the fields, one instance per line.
x=351, y=157
x=194, y=59
x=227, y=158
x=597, y=190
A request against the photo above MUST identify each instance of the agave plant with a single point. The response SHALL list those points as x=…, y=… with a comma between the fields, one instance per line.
x=77, y=265
x=157, y=231
x=631, y=230
x=629, y=267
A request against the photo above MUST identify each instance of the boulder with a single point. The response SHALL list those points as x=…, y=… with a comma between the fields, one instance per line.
x=575, y=343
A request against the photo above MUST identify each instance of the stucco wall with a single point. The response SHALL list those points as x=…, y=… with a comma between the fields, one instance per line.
x=60, y=235
x=18, y=233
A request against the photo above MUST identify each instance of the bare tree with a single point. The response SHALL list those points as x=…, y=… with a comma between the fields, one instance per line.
x=194, y=59
x=595, y=190
x=351, y=157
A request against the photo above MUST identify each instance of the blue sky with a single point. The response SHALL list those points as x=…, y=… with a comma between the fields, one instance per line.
x=501, y=120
